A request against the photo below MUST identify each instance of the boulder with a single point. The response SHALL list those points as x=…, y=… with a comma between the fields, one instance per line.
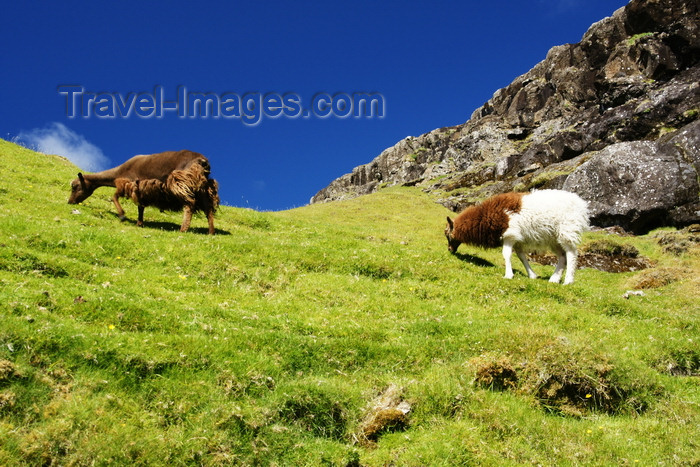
x=641, y=185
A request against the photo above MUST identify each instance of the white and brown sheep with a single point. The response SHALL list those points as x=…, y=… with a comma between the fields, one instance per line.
x=189, y=190
x=523, y=222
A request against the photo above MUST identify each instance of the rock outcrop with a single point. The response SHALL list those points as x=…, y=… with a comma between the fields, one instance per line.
x=642, y=184
x=614, y=118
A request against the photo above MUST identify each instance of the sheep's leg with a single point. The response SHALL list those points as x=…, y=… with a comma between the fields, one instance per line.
x=139, y=222
x=120, y=211
x=186, y=219
x=507, y=252
x=571, y=259
x=561, y=264
x=210, y=218
x=523, y=259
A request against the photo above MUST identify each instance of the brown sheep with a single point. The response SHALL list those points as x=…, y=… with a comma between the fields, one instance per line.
x=154, y=166
x=190, y=190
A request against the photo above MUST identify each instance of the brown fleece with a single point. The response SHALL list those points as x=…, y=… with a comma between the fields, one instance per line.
x=189, y=187
x=485, y=223
x=158, y=166
x=183, y=184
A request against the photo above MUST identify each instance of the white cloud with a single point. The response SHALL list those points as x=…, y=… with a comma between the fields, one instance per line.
x=56, y=138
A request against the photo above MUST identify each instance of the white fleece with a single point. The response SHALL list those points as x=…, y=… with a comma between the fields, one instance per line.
x=548, y=220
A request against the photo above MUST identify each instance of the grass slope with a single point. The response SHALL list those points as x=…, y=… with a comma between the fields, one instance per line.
x=270, y=342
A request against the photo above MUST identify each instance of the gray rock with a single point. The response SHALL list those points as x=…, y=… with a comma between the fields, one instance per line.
x=640, y=185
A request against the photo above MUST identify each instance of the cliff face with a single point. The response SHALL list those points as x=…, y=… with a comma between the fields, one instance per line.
x=613, y=118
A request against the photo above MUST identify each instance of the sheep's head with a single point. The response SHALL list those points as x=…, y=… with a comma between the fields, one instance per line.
x=452, y=243
x=81, y=189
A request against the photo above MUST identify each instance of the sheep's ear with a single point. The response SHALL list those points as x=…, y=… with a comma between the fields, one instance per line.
x=450, y=223
x=82, y=181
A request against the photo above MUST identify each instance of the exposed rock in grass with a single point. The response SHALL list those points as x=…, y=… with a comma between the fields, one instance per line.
x=633, y=293
x=387, y=413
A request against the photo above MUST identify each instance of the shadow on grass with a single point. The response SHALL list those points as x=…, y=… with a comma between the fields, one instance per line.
x=474, y=260
x=173, y=227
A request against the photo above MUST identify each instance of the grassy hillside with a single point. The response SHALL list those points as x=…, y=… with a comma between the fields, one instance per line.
x=338, y=334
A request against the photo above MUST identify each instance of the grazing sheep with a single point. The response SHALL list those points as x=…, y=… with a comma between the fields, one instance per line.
x=145, y=167
x=190, y=190
x=546, y=219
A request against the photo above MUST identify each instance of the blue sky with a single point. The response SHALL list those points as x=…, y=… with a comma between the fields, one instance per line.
x=433, y=63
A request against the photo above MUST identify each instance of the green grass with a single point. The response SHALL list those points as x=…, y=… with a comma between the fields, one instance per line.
x=267, y=343
x=637, y=37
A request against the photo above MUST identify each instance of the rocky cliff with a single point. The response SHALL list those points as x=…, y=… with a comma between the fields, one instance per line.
x=614, y=118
